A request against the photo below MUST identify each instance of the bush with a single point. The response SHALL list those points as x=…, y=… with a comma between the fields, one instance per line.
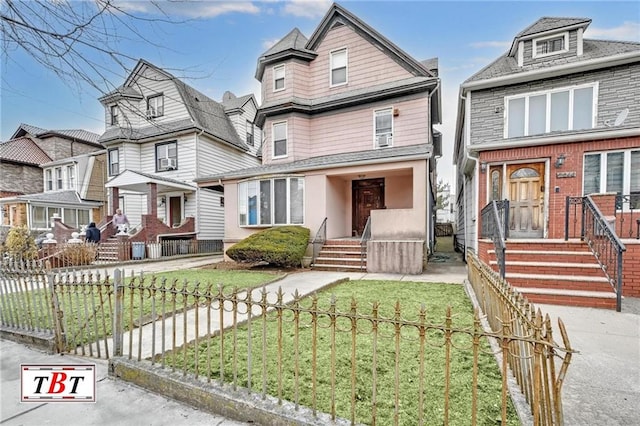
x=20, y=244
x=282, y=246
x=77, y=254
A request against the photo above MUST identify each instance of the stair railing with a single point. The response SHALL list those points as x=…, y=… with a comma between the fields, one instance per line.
x=366, y=236
x=319, y=240
x=604, y=244
x=628, y=215
x=495, y=225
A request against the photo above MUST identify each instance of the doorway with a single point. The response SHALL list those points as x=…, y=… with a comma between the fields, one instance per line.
x=526, y=200
x=175, y=211
x=367, y=195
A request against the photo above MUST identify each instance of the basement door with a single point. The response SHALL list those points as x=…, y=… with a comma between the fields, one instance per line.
x=175, y=211
x=526, y=200
x=368, y=194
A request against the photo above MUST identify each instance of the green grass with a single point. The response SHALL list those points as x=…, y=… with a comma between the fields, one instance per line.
x=410, y=296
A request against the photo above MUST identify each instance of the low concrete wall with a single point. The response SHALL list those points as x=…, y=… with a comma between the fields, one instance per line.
x=395, y=256
x=398, y=224
x=234, y=404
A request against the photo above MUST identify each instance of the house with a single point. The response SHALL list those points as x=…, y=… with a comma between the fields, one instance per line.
x=348, y=147
x=553, y=120
x=47, y=172
x=161, y=134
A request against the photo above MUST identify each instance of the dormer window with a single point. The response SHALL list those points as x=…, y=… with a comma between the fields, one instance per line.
x=155, y=106
x=278, y=78
x=550, y=45
x=113, y=109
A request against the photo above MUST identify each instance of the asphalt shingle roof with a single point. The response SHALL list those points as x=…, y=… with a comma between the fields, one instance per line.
x=80, y=134
x=70, y=197
x=294, y=40
x=23, y=150
x=547, y=23
x=334, y=160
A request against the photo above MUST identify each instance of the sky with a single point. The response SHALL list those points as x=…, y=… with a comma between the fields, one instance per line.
x=214, y=46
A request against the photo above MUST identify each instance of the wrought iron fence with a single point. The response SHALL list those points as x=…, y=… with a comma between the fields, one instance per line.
x=495, y=225
x=628, y=215
x=528, y=343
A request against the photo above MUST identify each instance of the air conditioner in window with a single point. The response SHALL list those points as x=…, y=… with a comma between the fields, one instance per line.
x=167, y=163
x=384, y=140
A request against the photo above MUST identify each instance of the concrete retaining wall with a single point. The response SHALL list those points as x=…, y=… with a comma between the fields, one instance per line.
x=395, y=256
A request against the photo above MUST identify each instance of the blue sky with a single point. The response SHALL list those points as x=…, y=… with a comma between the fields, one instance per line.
x=216, y=46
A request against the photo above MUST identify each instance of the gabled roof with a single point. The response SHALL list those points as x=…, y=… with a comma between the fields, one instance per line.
x=205, y=114
x=137, y=181
x=38, y=132
x=348, y=159
x=23, y=150
x=233, y=103
x=547, y=25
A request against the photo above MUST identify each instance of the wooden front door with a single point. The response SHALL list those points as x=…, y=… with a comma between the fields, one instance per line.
x=368, y=194
x=526, y=200
x=175, y=211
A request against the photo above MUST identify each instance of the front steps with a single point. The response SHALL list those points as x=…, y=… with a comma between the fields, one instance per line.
x=556, y=272
x=341, y=255
x=109, y=250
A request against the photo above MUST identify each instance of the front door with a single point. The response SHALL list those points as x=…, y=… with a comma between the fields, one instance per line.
x=526, y=200
x=368, y=194
x=175, y=211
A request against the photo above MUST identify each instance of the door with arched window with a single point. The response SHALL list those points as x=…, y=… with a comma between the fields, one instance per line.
x=526, y=200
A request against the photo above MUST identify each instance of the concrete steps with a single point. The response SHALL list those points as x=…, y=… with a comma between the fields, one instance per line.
x=341, y=255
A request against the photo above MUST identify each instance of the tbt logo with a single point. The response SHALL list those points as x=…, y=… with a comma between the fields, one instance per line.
x=58, y=383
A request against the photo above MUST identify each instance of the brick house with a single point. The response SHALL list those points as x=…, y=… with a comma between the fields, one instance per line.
x=348, y=147
x=556, y=116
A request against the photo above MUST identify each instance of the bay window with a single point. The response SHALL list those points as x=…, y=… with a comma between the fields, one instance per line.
x=551, y=111
x=275, y=201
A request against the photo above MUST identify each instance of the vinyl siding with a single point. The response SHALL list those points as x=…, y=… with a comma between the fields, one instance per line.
x=295, y=81
x=210, y=215
x=215, y=158
x=135, y=205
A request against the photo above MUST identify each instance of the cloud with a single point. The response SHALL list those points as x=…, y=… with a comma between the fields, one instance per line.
x=628, y=31
x=307, y=8
x=191, y=9
x=490, y=44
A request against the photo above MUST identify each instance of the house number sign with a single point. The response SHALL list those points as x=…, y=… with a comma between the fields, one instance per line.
x=566, y=174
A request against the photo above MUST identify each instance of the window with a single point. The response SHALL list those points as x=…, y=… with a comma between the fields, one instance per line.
x=383, y=128
x=41, y=216
x=616, y=171
x=551, y=45
x=155, y=106
x=278, y=78
x=49, y=179
x=114, y=114
x=71, y=177
x=551, y=111
x=249, y=131
x=338, y=67
x=166, y=156
x=279, y=140
x=114, y=162
x=59, y=178
x=277, y=201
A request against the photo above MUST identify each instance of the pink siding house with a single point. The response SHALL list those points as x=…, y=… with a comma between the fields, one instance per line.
x=348, y=148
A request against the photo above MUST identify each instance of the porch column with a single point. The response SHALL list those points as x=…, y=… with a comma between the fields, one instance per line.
x=152, y=199
x=115, y=200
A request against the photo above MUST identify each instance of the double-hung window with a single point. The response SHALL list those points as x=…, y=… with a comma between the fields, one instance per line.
x=338, y=63
x=155, y=106
x=71, y=177
x=613, y=171
x=550, y=45
x=59, y=181
x=278, y=78
x=113, y=110
x=279, y=133
x=276, y=201
x=49, y=178
x=249, y=131
x=166, y=156
x=114, y=162
x=383, y=127
x=555, y=110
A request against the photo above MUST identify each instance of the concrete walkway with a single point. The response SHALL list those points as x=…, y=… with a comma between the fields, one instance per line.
x=602, y=386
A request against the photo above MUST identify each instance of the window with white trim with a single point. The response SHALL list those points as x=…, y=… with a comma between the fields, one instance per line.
x=71, y=177
x=249, y=132
x=114, y=162
x=276, y=201
x=279, y=136
x=549, y=111
x=338, y=63
x=613, y=171
x=59, y=181
x=278, y=77
x=42, y=216
x=114, y=112
x=550, y=45
x=49, y=178
x=166, y=156
x=383, y=127
x=155, y=106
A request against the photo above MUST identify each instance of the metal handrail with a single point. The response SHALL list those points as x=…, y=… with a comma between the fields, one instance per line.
x=319, y=240
x=495, y=225
x=604, y=244
x=628, y=215
x=366, y=236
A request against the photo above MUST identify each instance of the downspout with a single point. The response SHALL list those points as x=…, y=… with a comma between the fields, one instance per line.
x=464, y=181
x=197, y=227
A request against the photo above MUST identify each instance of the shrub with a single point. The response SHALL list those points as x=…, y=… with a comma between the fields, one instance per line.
x=282, y=246
x=20, y=244
x=76, y=254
